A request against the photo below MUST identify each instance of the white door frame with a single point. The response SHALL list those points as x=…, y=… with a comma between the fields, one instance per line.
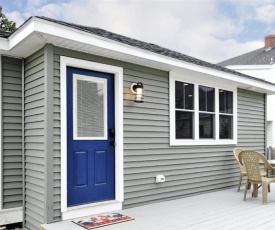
x=100, y=207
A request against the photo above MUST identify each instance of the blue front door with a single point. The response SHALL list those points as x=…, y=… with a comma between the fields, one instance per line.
x=90, y=136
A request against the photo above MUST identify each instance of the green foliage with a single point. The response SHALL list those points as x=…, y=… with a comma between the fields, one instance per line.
x=5, y=24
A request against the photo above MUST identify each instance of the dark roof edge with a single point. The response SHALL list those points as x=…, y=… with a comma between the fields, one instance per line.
x=4, y=34
x=8, y=34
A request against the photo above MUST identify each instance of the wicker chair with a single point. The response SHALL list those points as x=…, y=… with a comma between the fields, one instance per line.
x=243, y=173
x=251, y=160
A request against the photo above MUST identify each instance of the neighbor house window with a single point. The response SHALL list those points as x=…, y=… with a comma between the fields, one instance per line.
x=202, y=114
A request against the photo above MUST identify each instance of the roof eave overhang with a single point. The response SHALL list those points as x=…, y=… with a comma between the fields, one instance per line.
x=4, y=45
x=40, y=32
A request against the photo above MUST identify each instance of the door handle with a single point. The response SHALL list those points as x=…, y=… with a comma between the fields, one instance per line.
x=112, y=136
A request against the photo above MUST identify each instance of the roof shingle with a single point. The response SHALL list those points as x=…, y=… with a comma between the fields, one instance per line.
x=144, y=45
x=139, y=44
x=260, y=56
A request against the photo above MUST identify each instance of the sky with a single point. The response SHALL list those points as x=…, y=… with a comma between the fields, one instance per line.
x=211, y=30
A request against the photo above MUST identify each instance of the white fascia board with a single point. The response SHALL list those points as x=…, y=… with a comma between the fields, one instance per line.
x=250, y=67
x=4, y=45
x=21, y=34
x=54, y=29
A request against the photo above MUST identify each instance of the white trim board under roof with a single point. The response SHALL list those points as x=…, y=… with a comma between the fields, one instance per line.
x=250, y=67
x=38, y=31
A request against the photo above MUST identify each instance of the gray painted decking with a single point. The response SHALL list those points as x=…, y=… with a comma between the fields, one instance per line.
x=220, y=210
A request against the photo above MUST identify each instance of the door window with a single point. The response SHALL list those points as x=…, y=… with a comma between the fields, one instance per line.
x=90, y=108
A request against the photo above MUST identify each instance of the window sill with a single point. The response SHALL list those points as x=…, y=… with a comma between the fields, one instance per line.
x=202, y=142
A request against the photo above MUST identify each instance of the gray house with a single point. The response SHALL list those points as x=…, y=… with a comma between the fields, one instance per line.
x=76, y=142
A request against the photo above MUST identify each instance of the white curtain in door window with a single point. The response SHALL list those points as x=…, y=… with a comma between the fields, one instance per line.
x=90, y=106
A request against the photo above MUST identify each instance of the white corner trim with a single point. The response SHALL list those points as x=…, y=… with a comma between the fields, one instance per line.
x=119, y=189
x=11, y=216
x=173, y=76
x=1, y=145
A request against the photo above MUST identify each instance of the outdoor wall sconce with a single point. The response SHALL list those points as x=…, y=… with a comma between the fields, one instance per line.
x=137, y=88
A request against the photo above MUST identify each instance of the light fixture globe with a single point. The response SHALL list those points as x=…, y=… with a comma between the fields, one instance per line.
x=137, y=88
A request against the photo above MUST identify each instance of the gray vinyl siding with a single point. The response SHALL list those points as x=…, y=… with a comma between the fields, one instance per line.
x=251, y=120
x=12, y=132
x=34, y=118
x=57, y=148
x=57, y=160
x=189, y=170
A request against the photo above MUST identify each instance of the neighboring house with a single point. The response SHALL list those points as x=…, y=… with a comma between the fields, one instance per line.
x=74, y=142
x=259, y=63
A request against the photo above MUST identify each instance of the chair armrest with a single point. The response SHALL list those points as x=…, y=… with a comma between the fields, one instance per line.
x=268, y=166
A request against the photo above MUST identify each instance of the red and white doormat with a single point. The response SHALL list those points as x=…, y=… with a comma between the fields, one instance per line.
x=102, y=220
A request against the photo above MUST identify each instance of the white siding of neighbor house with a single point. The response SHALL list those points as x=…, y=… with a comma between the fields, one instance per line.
x=269, y=133
x=12, y=132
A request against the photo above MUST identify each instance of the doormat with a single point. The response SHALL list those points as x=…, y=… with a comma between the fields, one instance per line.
x=102, y=220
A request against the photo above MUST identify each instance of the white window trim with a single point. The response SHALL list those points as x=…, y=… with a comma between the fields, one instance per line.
x=94, y=208
x=75, y=129
x=175, y=76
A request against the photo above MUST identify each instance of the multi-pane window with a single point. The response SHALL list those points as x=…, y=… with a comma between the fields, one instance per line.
x=226, y=114
x=202, y=114
x=184, y=102
x=206, y=111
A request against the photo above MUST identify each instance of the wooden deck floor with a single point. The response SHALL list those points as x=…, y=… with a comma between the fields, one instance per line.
x=221, y=210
